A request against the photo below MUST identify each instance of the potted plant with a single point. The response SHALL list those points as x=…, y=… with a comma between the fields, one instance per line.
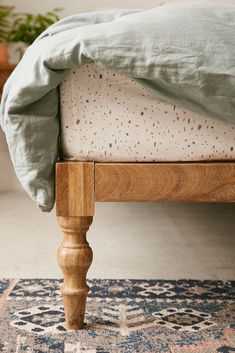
x=25, y=28
x=5, y=24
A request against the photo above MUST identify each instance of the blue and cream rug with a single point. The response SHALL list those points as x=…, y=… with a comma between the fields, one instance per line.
x=123, y=316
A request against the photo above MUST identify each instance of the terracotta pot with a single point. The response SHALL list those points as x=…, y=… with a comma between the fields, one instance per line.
x=16, y=51
x=3, y=53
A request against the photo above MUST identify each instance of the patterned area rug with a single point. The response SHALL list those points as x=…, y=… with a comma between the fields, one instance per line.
x=123, y=316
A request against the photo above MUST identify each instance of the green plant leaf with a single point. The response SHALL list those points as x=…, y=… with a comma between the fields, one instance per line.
x=27, y=27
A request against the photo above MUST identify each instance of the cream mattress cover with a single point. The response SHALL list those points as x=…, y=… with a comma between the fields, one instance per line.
x=109, y=117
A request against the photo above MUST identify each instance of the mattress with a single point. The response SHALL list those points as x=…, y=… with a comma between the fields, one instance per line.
x=108, y=117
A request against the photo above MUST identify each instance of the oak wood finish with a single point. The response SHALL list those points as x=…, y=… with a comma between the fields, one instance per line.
x=79, y=184
x=74, y=189
x=187, y=182
x=75, y=209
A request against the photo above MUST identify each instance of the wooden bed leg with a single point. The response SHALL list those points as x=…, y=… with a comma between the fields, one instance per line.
x=74, y=258
x=75, y=208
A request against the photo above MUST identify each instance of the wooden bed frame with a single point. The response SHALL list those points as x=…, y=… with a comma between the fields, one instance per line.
x=80, y=184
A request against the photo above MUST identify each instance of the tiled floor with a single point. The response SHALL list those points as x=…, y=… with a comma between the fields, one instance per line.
x=138, y=240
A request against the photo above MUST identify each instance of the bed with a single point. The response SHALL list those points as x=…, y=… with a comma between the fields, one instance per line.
x=112, y=139
x=120, y=142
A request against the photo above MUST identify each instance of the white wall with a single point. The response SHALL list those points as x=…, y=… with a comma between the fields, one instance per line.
x=7, y=178
x=73, y=6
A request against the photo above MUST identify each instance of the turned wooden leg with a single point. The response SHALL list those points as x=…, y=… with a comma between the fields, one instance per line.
x=75, y=208
x=74, y=258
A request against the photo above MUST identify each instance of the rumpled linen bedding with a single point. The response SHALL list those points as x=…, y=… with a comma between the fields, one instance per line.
x=185, y=53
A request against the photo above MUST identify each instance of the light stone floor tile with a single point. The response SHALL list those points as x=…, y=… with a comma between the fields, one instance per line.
x=129, y=240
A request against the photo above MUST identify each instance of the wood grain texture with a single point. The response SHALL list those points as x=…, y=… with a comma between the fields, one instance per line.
x=75, y=208
x=75, y=189
x=74, y=258
x=79, y=184
x=187, y=182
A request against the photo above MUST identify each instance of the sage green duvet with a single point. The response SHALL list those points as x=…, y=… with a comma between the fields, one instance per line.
x=185, y=53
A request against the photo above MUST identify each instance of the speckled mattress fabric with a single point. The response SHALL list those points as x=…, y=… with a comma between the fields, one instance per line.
x=109, y=117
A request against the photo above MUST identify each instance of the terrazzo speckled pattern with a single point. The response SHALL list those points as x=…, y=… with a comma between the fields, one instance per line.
x=108, y=117
x=124, y=316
